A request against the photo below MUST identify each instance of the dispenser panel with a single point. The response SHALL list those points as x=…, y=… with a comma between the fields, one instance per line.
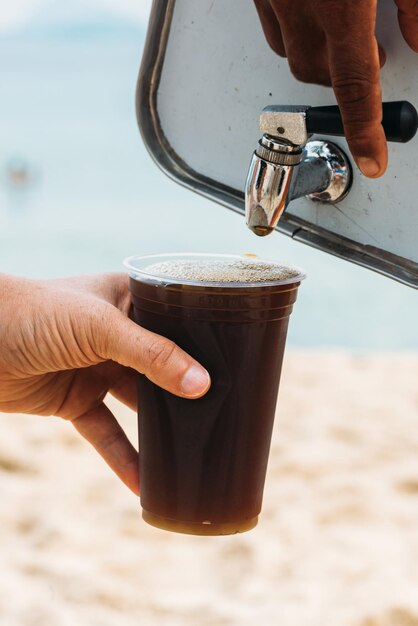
x=207, y=73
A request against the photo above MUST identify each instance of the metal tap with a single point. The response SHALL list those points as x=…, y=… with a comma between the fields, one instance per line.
x=287, y=166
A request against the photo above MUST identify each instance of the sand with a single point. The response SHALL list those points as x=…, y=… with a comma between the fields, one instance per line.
x=337, y=543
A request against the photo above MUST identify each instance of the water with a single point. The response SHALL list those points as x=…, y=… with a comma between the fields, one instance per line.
x=78, y=193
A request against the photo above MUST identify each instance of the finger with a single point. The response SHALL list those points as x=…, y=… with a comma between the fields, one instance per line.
x=111, y=287
x=118, y=338
x=382, y=55
x=114, y=288
x=304, y=42
x=357, y=89
x=271, y=26
x=408, y=21
x=308, y=60
x=100, y=428
x=120, y=381
x=125, y=389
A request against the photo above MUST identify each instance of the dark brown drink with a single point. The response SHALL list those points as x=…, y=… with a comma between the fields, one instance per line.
x=203, y=462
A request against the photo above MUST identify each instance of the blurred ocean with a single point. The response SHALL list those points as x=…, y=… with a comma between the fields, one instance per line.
x=78, y=191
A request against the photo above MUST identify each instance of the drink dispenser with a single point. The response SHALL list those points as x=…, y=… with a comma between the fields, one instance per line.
x=222, y=114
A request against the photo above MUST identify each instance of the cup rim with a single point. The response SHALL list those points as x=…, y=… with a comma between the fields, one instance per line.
x=134, y=272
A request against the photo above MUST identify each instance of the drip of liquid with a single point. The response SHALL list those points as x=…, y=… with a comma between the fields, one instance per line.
x=262, y=231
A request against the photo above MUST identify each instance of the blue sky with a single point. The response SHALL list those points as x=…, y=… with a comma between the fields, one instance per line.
x=19, y=14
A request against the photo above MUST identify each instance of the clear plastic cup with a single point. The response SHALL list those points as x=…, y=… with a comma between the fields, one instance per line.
x=203, y=462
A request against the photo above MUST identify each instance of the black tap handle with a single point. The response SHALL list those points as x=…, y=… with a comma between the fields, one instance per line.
x=400, y=121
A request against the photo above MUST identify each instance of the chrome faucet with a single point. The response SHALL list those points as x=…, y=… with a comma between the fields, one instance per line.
x=287, y=165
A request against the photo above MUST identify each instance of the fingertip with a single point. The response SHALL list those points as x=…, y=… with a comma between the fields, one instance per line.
x=195, y=382
x=382, y=55
x=130, y=476
x=370, y=167
x=408, y=26
x=369, y=149
x=99, y=427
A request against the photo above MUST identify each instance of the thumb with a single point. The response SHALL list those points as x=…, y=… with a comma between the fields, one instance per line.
x=355, y=75
x=118, y=338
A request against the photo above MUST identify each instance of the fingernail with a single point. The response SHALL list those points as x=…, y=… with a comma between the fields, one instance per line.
x=195, y=382
x=369, y=167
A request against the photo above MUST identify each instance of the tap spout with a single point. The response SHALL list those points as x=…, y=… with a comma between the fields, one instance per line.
x=280, y=172
x=268, y=183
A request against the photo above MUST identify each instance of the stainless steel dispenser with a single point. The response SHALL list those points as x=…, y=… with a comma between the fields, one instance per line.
x=207, y=73
x=286, y=165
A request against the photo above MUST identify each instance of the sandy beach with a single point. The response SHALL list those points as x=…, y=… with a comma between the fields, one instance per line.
x=337, y=542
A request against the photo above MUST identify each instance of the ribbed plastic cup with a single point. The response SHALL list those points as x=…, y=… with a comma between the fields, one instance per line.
x=203, y=462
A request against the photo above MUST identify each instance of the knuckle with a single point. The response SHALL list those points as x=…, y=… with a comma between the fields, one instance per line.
x=99, y=335
x=301, y=72
x=353, y=90
x=317, y=74
x=276, y=47
x=359, y=98
x=409, y=8
x=120, y=293
x=159, y=353
x=108, y=442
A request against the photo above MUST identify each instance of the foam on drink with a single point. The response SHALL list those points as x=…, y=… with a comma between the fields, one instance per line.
x=242, y=271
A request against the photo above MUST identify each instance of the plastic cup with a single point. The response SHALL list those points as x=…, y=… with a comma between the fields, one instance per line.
x=203, y=462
